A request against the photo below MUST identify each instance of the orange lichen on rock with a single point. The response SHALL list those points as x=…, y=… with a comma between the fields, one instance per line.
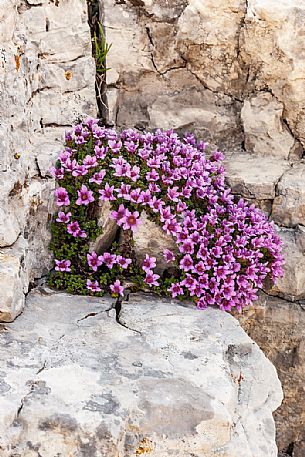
x=145, y=447
x=17, y=62
x=68, y=75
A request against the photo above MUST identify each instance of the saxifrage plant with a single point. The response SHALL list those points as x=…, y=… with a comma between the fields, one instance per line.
x=226, y=248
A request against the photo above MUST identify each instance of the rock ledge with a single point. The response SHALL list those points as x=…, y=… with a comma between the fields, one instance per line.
x=167, y=380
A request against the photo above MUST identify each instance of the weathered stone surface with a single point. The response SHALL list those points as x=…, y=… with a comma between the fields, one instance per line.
x=46, y=82
x=265, y=133
x=289, y=205
x=253, y=176
x=14, y=282
x=276, y=60
x=73, y=381
x=10, y=231
x=150, y=238
x=292, y=285
x=159, y=86
x=109, y=228
x=240, y=52
x=278, y=327
x=208, y=40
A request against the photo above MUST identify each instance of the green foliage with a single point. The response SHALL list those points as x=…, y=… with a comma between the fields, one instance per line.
x=101, y=49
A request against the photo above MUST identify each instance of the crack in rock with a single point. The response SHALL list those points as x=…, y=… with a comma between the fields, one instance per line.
x=95, y=313
x=42, y=368
x=118, y=309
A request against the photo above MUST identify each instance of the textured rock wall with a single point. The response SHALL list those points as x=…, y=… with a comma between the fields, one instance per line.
x=46, y=81
x=279, y=328
x=232, y=71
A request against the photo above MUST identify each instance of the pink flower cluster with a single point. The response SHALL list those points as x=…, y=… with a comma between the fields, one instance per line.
x=108, y=259
x=148, y=265
x=226, y=248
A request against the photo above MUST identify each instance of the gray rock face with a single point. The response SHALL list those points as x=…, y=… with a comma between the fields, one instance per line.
x=292, y=285
x=46, y=82
x=150, y=238
x=289, y=205
x=170, y=380
x=109, y=229
x=265, y=133
x=278, y=326
x=254, y=177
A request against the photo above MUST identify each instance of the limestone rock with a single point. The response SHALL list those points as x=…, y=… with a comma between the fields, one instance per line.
x=208, y=40
x=9, y=231
x=292, y=285
x=278, y=327
x=46, y=83
x=14, y=282
x=109, y=229
x=160, y=85
x=254, y=177
x=265, y=133
x=273, y=50
x=150, y=238
x=289, y=204
x=74, y=381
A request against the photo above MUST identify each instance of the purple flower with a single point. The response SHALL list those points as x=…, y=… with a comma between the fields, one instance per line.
x=62, y=197
x=63, y=217
x=145, y=196
x=74, y=229
x=79, y=170
x=134, y=173
x=152, y=175
x=124, y=191
x=94, y=261
x=63, y=265
x=201, y=304
x=168, y=255
x=117, y=288
x=175, y=290
x=64, y=156
x=136, y=196
x=114, y=145
x=70, y=165
x=100, y=152
x=123, y=262
x=199, y=268
x=173, y=194
x=181, y=206
x=108, y=259
x=189, y=282
x=119, y=215
x=93, y=286
x=186, y=263
x=171, y=227
x=156, y=204
x=148, y=263
x=98, y=177
x=106, y=194
x=90, y=161
x=57, y=173
x=85, y=196
x=121, y=166
x=151, y=278
x=217, y=156
x=153, y=188
x=187, y=247
x=131, y=220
